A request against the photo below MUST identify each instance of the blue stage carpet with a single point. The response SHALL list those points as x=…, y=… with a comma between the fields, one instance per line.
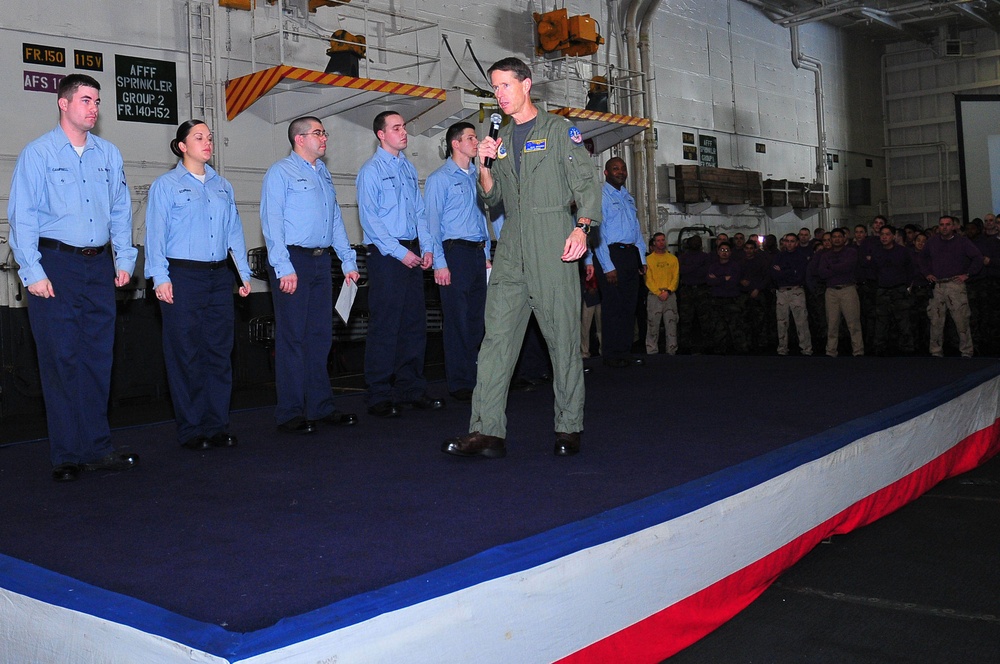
x=281, y=525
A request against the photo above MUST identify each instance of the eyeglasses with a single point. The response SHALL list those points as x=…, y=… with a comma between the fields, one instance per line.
x=318, y=133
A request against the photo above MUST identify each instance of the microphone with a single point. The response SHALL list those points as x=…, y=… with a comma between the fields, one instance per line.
x=495, y=119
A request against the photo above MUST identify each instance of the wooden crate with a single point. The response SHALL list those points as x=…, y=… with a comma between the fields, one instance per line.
x=776, y=193
x=721, y=186
x=782, y=193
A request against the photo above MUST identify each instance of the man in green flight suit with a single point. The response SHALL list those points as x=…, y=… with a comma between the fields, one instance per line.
x=540, y=170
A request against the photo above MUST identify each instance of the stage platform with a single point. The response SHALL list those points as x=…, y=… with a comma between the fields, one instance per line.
x=701, y=480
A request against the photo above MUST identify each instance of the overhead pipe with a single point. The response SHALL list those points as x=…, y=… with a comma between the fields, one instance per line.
x=634, y=103
x=820, y=13
x=808, y=63
x=648, y=11
x=638, y=17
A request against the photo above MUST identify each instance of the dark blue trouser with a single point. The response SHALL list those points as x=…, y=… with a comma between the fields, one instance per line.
x=464, y=307
x=397, y=330
x=197, y=347
x=302, y=339
x=618, y=301
x=75, y=333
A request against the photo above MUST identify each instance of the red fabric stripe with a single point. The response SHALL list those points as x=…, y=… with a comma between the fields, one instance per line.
x=678, y=626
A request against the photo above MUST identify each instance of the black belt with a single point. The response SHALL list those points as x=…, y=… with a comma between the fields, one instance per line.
x=413, y=245
x=840, y=286
x=481, y=244
x=312, y=251
x=787, y=288
x=49, y=243
x=622, y=245
x=196, y=265
x=892, y=287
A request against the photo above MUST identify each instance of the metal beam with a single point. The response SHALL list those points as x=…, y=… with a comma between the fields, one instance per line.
x=971, y=12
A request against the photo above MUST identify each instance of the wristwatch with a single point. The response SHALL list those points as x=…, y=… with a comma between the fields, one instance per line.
x=583, y=227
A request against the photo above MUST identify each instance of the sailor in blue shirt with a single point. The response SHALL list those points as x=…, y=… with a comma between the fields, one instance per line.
x=68, y=199
x=621, y=257
x=301, y=220
x=461, y=256
x=399, y=249
x=192, y=227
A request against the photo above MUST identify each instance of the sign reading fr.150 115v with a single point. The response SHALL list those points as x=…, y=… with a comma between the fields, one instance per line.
x=147, y=90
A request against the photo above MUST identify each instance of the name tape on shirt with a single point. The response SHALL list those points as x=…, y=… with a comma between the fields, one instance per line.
x=535, y=146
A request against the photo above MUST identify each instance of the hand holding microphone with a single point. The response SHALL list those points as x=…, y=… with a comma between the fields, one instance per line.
x=495, y=121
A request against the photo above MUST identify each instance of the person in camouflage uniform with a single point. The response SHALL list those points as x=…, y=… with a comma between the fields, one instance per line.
x=894, y=270
x=728, y=333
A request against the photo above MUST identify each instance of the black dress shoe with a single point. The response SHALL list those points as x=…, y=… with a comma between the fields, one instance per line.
x=567, y=444
x=298, y=425
x=637, y=361
x=197, y=444
x=422, y=403
x=66, y=472
x=338, y=418
x=223, y=439
x=475, y=444
x=463, y=394
x=383, y=409
x=616, y=362
x=114, y=461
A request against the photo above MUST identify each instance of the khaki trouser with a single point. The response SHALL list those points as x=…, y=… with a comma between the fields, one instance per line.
x=843, y=300
x=590, y=315
x=949, y=296
x=657, y=310
x=792, y=300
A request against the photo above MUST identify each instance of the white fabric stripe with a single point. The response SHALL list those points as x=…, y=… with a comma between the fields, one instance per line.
x=33, y=631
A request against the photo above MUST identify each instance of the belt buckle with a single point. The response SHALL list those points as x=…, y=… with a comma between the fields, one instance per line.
x=318, y=252
x=90, y=251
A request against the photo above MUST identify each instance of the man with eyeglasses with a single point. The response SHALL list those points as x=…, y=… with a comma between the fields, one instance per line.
x=400, y=248
x=461, y=256
x=301, y=220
